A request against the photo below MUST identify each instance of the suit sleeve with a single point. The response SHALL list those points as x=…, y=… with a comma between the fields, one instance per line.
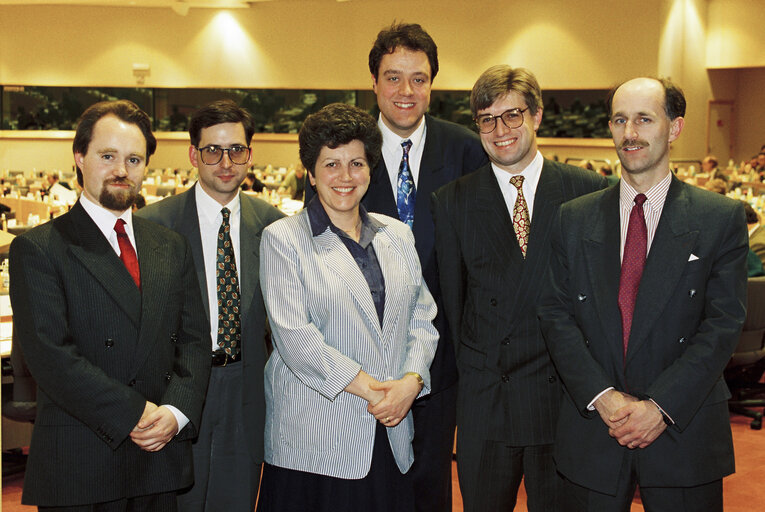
x=300, y=343
x=682, y=387
x=581, y=374
x=111, y=409
x=191, y=369
x=451, y=268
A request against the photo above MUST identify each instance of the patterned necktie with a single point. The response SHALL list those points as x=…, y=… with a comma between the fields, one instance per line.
x=521, y=221
x=127, y=252
x=229, y=328
x=633, y=261
x=406, y=194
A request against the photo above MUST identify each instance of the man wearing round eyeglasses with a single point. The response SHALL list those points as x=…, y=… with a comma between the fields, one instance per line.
x=492, y=242
x=223, y=227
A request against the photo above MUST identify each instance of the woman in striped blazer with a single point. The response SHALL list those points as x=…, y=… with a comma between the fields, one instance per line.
x=351, y=321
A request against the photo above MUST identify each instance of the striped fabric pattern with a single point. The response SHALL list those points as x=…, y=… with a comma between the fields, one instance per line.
x=325, y=329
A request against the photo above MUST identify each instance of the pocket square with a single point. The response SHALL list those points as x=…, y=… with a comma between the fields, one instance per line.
x=693, y=257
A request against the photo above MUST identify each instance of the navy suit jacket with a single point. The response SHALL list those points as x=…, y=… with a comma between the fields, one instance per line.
x=689, y=311
x=179, y=213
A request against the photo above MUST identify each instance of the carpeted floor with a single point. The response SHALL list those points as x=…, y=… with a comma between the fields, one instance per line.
x=744, y=491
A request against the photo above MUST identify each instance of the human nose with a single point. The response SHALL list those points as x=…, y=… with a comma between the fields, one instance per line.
x=225, y=160
x=630, y=130
x=345, y=173
x=120, y=169
x=500, y=127
x=406, y=88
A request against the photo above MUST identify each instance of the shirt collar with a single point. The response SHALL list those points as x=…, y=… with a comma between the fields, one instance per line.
x=105, y=219
x=320, y=221
x=392, y=141
x=655, y=196
x=530, y=174
x=209, y=208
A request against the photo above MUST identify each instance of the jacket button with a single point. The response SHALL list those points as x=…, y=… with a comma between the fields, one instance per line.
x=131, y=383
x=506, y=341
x=551, y=379
x=505, y=377
x=174, y=337
x=167, y=376
x=582, y=297
x=692, y=292
x=109, y=343
x=681, y=340
x=587, y=343
x=493, y=302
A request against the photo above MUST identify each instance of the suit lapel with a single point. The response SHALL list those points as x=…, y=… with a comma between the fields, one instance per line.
x=391, y=266
x=99, y=258
x=671, y=247
x=188, y=226
x=249, y=239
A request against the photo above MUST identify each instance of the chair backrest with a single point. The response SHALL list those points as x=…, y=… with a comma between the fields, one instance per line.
x=753, y=333
x=23, y=403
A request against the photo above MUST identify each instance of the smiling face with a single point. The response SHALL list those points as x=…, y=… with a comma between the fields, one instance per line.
x=403, y=89
x=341, y=178
x=511, y=149
x=114, y=164
x=642, y=132
x=221, y=181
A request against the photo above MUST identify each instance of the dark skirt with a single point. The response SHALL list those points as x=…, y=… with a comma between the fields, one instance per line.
x=384, y=489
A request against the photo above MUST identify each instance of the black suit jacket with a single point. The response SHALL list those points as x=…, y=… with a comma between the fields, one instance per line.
x=450, y=151
x=179, y=213
x=99, y=349
x=688, y=316
x=509, y=390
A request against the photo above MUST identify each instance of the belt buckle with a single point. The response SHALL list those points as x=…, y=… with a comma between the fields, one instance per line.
x=225, y=359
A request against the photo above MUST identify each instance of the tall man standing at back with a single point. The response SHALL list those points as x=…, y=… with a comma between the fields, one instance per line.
x=493, y=246
x=644, y=306
x=108, y=315
x=223, y=227
x=420, y=153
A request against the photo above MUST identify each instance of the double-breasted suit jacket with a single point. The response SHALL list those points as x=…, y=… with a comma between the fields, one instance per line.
x=508, y=388
x=99, y=349
x=325, y=329
x=179, y=213
x=688, y=315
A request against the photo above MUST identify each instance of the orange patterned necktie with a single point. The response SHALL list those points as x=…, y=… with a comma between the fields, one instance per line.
x=521, y=222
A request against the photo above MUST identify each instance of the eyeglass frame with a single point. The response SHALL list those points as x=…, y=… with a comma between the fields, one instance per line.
x=494, y=118
x=223, y=150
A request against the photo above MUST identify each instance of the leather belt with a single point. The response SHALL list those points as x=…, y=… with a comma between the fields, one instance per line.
x=220, y=358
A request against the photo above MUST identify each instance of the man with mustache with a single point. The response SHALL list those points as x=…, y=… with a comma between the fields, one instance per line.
x=229, y=450
x=643, y=308
x=108, y=315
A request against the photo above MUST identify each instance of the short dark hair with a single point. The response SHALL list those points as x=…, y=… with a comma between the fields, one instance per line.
x=335, y=125
x=219, y=112
x=674, y=99
x=712, y=159
x=406, y=35
x=123, y=109
x=499, y=80
x=751, y=215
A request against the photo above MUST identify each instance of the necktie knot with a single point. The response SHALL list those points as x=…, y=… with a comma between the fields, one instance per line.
x=226, y=214
x=119, y=227
x=517, y=182
x=640, y=199
x=407, y=145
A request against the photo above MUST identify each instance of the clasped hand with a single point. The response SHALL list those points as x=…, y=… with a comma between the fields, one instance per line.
x=398, y=396
x=155, y=429
x=633, y=423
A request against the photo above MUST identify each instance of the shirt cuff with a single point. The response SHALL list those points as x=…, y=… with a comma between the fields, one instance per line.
x=591, y=405
x=663, y=412
x=179, y=417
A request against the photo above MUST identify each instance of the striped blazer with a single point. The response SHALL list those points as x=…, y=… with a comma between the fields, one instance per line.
x=325, y=329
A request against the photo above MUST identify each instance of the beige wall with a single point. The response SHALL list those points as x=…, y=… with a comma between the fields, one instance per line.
x=736, y=37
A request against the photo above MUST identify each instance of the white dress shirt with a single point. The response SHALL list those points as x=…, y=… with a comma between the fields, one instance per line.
x=105, y=220
x=210, y=219
x=530, y=180
x=392, y=152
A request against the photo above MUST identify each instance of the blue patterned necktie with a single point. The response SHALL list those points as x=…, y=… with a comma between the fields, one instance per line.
x=406, y=194
x=229, y=328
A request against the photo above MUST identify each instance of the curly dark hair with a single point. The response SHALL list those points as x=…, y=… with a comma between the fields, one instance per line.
x=335, y=125
x=406, y=35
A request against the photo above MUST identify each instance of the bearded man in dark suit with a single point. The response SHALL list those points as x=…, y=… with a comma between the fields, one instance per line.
x=108, y=315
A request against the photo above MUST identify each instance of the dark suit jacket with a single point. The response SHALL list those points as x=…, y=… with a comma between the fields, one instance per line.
x=688, y=315
x=99, y=349
x=757, y=242
x=450, y=151
x=508, y=387
x=179, y=213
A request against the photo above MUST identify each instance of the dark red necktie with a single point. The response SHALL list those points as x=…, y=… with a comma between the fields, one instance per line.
x=633, y=261
x=127, y=252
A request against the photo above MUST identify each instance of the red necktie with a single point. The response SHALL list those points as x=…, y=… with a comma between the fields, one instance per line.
x=633, y=261
x=127, y=253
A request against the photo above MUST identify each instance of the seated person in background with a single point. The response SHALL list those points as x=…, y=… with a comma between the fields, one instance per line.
x=294, y=183
x=608, y=172
x=251, y=182
x=140, y=202
x=717, y=185
x=53, y=179
x=710, y=166
x=756, y=232
x=352, y=327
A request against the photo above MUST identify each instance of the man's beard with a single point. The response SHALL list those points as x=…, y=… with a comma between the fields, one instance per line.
x=121, y=200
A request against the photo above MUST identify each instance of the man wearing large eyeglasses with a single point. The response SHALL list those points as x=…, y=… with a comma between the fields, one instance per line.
x=492, y=243
x=223, y=227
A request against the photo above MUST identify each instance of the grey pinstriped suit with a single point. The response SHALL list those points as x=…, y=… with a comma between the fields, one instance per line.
x=325, y=328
